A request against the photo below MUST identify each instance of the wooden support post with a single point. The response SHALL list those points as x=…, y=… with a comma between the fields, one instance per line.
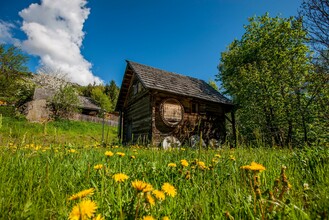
x=233, y=127
x=119, y=125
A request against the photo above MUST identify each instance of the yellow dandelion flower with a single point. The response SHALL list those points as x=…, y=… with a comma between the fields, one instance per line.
x=72, y=151
x=201, y=165
x=254, y=167
x=150, y=199
x=218, y=155
x=84, y=210
x=120, y=177
x=148, y=188
x=172, y=165
x=132, y=157
x=121, y=154
x=159, y=194
x=109, y=153
x=99, y=217
x=148, y=217
x=139, y=185
x=232, y=157
x=82, y=194
x=98, y=166
x=184, y=163
x=165, y=218
x=169, y=189
x=257, y=166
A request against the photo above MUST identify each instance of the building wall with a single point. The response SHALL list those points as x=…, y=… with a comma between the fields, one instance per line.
x=137, y=119
x=199, y=117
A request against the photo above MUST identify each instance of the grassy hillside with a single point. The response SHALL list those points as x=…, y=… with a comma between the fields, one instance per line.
x=18, y=131
x=56, y=171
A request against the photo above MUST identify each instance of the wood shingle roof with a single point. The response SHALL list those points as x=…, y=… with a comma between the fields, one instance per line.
x=153, y=78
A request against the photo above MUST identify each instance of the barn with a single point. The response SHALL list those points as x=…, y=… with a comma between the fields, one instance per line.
x=156, y=106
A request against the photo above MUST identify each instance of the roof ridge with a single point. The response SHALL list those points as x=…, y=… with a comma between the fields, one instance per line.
x=166, y=71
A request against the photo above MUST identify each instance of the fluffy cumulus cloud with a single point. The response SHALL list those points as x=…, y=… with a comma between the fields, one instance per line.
x=54, y=32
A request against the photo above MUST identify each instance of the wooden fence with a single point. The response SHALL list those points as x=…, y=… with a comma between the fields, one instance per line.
x=81, y=117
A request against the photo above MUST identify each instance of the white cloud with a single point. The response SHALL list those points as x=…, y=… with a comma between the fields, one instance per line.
x=54, y=32
x=6, y=36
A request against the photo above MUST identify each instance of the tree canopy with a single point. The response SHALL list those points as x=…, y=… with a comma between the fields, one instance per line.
x=268, y=74
x=15, y=86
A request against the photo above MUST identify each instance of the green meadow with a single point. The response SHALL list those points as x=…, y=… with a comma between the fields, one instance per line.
x=45, y=169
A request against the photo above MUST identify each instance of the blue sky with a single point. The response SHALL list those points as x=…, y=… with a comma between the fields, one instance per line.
x=185, y=37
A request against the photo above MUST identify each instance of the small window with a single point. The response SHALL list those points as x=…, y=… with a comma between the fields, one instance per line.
x=171, y=112
x=135, y=89
x=140, y=87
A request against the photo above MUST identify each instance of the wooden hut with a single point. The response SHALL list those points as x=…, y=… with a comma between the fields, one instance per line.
x=155, y=104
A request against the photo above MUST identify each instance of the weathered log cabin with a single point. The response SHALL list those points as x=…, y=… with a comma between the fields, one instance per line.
x=155, y=104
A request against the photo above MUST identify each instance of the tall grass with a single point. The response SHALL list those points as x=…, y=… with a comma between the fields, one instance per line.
x=42, y=165
x=37, y=182
x=18, y=131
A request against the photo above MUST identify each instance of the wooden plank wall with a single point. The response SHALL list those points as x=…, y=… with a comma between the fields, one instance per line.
x=137, y=120
x=211, y=121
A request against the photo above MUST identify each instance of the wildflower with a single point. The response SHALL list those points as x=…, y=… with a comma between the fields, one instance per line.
x=85, y=209
x=109, y=153
x=232, y=157
x=254, y=167
x=99, y=217
x=139, y=185
x=165, y=218
x=306, y=186
x=98, y=166
x=148, y=217
x=148, y=188
x=201, y=165
x=159, y=194
x=184, y=163
x=72, y=151
x=169, y=189
x=120, y=177
x=218, y=155
x=82, y=194
x=121, y=154
x=132, y=157
x=172, y=165
x=150, y=199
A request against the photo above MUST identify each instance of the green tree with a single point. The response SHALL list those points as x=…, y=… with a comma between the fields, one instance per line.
x=15, y=84
x=65, y=102
x=315, y=15
x=98, y=95
x=266, y=73
x=213, y=84
x=112, y=90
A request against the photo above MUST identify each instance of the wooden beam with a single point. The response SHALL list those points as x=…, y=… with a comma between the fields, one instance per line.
x=233, y=127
